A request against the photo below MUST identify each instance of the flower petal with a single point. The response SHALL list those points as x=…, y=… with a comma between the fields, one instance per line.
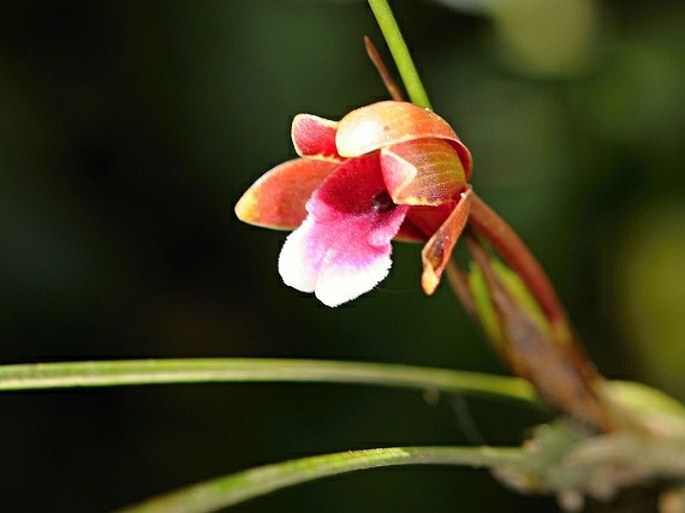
x=381, y=124
x=277, y=200
x=422, y=172
x=314, y=137
x=438, y=250
x=409, y=232
x=342, y=249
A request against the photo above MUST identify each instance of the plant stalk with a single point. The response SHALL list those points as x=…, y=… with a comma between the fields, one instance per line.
x=487, y=223
x=400, y=53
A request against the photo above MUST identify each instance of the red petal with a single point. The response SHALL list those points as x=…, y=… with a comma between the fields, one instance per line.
x=277, y=200
x=422, y=172
x=314, y=137
x=438, y=250
x=356, y=186
x=409, y=232
x=381, y=124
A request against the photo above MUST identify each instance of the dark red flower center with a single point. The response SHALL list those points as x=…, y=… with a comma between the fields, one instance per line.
x=382, y=202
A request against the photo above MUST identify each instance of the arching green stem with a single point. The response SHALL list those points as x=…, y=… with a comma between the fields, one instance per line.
x=400, y=52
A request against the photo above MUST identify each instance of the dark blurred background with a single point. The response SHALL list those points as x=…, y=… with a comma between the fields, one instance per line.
x=128, y=130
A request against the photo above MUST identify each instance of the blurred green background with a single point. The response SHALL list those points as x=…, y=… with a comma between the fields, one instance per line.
x=128, y=130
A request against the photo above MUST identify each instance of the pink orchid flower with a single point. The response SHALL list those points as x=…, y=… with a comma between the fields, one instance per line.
x=387, y=170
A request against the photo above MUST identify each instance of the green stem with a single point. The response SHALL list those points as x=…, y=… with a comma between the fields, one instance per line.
x=235, y=488
x=202, y=370
x=400, y=52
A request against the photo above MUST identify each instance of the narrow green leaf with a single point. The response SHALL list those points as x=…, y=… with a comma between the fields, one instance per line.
x=203, y=370
x=235, y=488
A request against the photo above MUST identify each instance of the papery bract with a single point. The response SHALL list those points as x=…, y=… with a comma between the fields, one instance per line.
x=386, y=170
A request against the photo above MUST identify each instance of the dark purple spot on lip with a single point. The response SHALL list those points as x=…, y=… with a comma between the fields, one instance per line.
x=381, y=202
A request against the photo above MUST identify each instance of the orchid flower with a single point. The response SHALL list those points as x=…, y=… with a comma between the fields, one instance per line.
x=386, y=170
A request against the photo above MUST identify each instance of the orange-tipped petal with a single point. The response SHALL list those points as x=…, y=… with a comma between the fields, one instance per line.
x=314, y=137
x=278, y=198
x=381, y=124
x=438, y=250
x=422, y=172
